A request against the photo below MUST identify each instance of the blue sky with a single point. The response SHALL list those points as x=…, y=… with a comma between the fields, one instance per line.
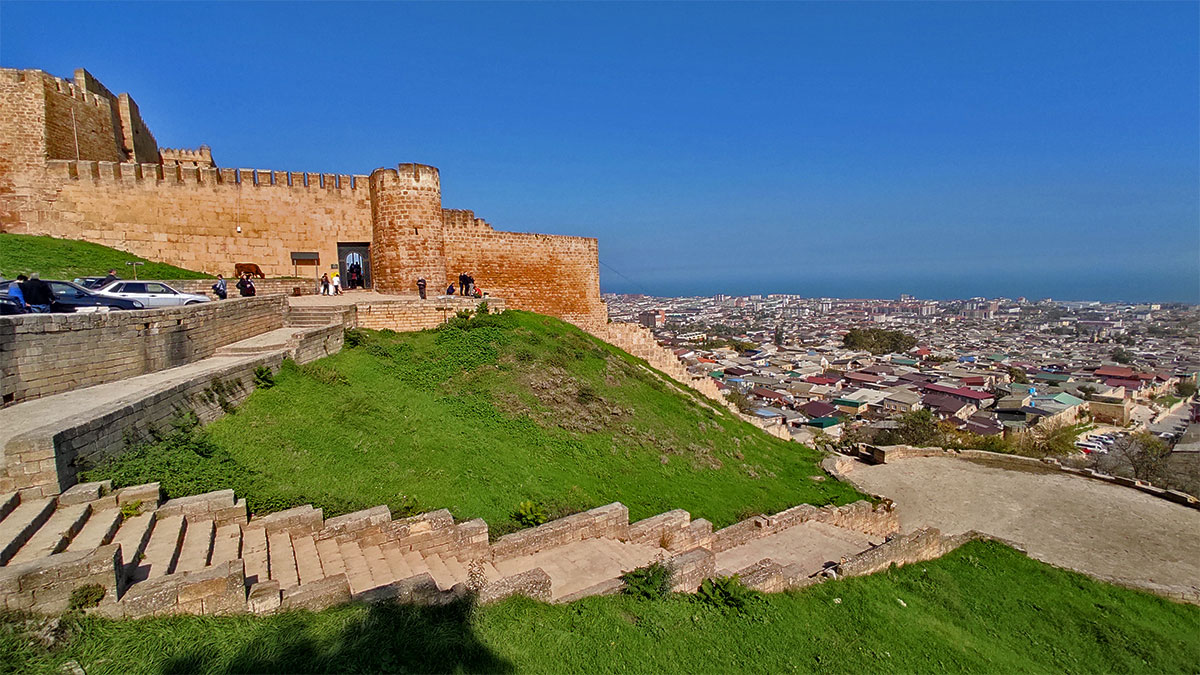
x=857, y=150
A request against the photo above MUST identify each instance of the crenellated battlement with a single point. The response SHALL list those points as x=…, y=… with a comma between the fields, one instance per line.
x=463, y=219
x=55, y=84
x=173, y=174
x=200, y=157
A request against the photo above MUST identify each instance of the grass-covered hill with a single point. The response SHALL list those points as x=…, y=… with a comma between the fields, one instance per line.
x=479, y=416
x=66, y=259
x=984, y=608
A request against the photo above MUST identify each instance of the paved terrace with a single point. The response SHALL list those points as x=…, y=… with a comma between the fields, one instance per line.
x=1098, y=528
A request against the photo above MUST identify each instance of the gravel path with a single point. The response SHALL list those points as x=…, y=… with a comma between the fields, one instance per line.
x=1069, y=521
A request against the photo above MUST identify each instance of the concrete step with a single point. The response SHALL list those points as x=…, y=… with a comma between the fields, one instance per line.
x=395, y=560
x=21, y=523
x=54, y=536
x=163, y=550
x=254, y=553
x=283, y=560
x=197, y=546
x=308, y=561
x=331, y=557
x=358, y=571
x=416, y=562
x=437, y=570
x=458, y=571
x=381, y=572
x=99, y=529
x=133, y=535
x=227, y=544
x=8, y=502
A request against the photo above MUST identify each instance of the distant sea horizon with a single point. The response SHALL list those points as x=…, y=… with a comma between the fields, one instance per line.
x=1149, y=290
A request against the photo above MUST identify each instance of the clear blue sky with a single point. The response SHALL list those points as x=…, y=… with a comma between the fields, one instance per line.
x=941, y=149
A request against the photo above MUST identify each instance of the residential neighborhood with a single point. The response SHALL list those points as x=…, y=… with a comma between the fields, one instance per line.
x=985, y=366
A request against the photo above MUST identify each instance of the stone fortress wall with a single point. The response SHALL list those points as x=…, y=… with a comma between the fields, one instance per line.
x=78, y=162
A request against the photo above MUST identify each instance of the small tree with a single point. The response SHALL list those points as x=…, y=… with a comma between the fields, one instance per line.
x=1185, y=389
x=778, y=335
x=1018, y=375
x=1145, y=454
x=1120, y=355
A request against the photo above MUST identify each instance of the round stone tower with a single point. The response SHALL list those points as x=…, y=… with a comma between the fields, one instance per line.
x=406, y=223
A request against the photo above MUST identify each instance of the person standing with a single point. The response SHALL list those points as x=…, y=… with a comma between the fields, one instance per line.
x=219, y=289
x=112, y=276
x=37, y=294
x=15, y=291
x=246, y=287
x=325, y=284
x=462, y=283
x=336, y=283
x=421, y=287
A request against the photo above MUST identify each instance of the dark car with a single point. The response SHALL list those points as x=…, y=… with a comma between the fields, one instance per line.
x=91, y=283
x=9, y=306
x=69, y=297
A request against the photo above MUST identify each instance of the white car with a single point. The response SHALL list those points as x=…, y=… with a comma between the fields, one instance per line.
x=151, y=293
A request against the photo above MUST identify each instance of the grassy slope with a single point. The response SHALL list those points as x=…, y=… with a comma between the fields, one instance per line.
x=983, y=608
x=66, y=259
x=474, y=421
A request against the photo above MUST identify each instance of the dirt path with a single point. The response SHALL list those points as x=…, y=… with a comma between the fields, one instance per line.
x=1098, y=528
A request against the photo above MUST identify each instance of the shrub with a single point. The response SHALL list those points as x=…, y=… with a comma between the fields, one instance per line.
x=529, y=514
x=323, y=374
x=726, y=593
x=482, y=308
x=263, y=378
x=651, y=582
x=131, y=509
x=85, y=597
x=355, y=337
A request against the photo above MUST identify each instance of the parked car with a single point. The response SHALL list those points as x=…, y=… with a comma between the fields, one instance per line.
x=151, y=293
x=69, y=297
x=90, y=283
x=9, y=306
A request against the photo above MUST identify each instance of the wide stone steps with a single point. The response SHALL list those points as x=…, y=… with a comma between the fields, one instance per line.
x=297, y=553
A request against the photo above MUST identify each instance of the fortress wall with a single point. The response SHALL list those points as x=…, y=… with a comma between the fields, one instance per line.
x=189, y=216
x=44, y=354
x=416, y=314
x=549, y=274
x=71, y=112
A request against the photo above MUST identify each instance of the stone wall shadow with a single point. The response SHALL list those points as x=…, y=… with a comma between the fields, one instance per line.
x=387, y=638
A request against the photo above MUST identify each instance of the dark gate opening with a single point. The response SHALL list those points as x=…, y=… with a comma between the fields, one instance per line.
x=354, y=264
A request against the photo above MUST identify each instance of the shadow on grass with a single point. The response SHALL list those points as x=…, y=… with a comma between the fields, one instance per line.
x=372, y=638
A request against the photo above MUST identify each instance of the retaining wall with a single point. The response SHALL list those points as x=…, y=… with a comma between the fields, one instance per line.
x=45, y=354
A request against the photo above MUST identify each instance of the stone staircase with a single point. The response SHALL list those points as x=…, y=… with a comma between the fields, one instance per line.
x=203, y=554
x=317, y=316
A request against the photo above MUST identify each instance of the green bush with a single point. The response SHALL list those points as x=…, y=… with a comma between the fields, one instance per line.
x=323, y=374
x=355, y=337
x=651, y=582
x=482, y=308
x=529, y=514
x=726, y=593
x=263, y=378
x=85, y=597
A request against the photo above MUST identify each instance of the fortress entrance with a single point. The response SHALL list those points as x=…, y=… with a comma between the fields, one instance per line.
x=354, y=264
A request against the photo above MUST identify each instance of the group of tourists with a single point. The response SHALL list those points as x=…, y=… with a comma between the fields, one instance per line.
x=245, y=286
x=31, y=293
x=466, y=287
x=331, y=285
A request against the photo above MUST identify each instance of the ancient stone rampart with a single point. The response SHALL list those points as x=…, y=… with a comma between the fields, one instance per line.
x=78, y=162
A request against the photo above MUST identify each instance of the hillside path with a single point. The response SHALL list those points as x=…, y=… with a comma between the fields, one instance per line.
x=1069, y=521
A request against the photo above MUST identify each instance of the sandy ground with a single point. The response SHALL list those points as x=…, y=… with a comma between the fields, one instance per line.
x=1101, y=529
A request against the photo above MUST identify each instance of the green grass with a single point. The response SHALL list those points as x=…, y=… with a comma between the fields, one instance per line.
x=984, y=608
x=477, y=418
x=66, y=259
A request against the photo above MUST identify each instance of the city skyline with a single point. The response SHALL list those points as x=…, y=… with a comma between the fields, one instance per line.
x=941, y=150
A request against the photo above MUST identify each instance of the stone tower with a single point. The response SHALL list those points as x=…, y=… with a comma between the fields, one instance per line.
x=406, y=221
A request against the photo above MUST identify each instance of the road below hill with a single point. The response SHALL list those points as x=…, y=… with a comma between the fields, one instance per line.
x=1100, y=529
